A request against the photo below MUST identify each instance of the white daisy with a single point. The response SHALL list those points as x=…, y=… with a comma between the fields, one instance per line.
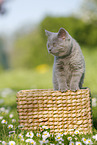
x=95, y=137
x=38, y=134
x=1, y=117
x=89, y=141
x=4, y=121
x=28, y=140
x=13, y=120
x=44, y=127
x=30, y=134
x=58, y=137
x=71, y=143
x=45, y=135
x=11, y=115
x=84, y=140
x=11, y=143
x=20, y=135
x=69, y=138
x=22, y=139
x=2, y=109
x=76, y=132
x=10, y=126
x=78, y=143
x=32, y=142
x=43, y=141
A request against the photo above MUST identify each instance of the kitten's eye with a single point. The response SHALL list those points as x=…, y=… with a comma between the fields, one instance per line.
x=54, y=44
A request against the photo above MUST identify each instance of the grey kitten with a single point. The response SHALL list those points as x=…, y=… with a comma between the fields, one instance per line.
x=69, y=64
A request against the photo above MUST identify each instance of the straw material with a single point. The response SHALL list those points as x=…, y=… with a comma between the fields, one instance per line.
x=61, y=112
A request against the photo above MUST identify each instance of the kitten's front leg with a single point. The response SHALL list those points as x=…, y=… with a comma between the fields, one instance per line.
x=75, y=80
x=62, y=81
x=55, y=82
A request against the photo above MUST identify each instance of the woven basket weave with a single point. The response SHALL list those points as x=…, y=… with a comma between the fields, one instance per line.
x=61, y=112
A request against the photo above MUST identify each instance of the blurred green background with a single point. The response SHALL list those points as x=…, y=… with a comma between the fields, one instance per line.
x=25, y=62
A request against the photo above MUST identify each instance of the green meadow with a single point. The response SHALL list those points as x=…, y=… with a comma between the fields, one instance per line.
x=40, y=77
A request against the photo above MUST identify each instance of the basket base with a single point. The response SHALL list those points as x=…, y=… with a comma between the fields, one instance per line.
x=61, y=112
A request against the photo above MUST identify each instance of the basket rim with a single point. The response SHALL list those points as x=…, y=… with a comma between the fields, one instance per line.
x=51, y=90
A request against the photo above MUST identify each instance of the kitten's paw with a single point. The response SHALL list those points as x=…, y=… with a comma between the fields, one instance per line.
x=63, y=90
x=74, y=89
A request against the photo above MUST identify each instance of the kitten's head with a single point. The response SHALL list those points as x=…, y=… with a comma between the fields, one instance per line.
x=59, y=44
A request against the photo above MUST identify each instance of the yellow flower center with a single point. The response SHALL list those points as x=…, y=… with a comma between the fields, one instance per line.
x=84, y=139
x=32, y=142
x=59, y=137
x=11, y=143
x=88, y=141
x=45, y=134
x=20, y=136
x=72, y=144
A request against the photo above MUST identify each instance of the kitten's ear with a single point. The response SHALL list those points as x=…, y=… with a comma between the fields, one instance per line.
x=48, y=33
x=62, y=33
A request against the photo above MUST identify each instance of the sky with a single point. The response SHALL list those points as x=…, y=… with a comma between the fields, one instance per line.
x=23, y=12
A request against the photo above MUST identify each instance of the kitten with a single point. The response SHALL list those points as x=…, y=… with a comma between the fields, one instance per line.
x=69, y=64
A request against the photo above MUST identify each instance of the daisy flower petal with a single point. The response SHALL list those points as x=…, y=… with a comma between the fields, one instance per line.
x=11, y=143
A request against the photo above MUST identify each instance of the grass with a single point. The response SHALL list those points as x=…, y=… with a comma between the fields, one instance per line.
x=40, y=78
x=91, y=69
x=26, y=79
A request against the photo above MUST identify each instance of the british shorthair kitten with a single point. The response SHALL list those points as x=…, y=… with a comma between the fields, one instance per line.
x=69, y=64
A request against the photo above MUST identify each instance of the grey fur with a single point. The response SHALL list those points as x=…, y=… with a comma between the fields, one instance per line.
x=69, y=64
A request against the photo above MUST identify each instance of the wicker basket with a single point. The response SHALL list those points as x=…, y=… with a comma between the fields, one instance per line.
x=61, y=112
